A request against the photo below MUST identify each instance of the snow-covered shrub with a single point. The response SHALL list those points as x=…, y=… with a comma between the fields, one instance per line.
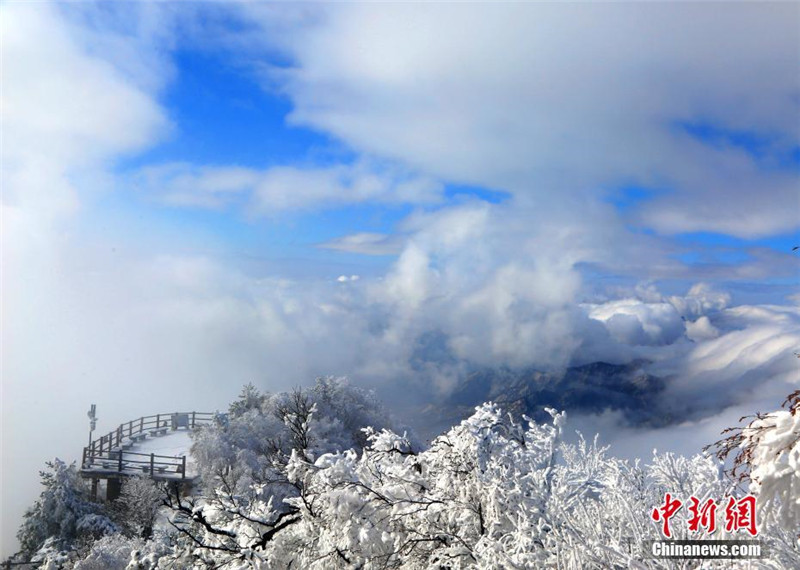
x=120, y=552
x=52, y=555
x=110, y=553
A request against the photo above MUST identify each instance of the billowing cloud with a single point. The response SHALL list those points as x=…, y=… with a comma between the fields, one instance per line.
x=650, y=319
x=701, y=299
x=745, y=365
x=633, y=322
x=701, y=329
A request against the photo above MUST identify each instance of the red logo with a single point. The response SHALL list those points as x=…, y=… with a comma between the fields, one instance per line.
x=740, y=514
x=666, y=512
x=703, y=516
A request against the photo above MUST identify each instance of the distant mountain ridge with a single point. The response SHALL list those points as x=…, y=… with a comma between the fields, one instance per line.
x=589, y=388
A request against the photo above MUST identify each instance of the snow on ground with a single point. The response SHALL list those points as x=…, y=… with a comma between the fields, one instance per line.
x=173, y=444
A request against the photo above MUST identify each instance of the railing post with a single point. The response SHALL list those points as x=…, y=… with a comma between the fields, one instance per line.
x=152, y=460
x=193, y=413
x=120, y=460
x=141, y=424
x=158, y=421
x=183, y=468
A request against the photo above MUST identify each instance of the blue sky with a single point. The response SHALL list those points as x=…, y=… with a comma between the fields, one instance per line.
x=223, y=115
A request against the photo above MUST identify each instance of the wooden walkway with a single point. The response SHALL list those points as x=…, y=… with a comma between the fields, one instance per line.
x=110, y=456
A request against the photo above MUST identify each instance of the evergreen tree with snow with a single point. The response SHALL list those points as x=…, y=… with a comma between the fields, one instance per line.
x=63, y=516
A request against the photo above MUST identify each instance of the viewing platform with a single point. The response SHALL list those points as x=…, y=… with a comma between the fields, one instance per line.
x=155, y=446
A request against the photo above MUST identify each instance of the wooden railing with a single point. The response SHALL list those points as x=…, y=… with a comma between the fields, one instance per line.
x=132, y=463
x=110, y=452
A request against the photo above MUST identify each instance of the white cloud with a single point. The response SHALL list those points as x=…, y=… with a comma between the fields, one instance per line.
x=742, y=363
x=366, y=243
x=182, y=184
x=552, y=99
x=291, y=188
x=67, y=115
x=62, y=108
x=701, y=329
x=283, y=188
x=636, y=323
x=750, y=360
x=701, y=299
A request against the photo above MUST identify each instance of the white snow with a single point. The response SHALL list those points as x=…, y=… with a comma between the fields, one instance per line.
x=173, y=444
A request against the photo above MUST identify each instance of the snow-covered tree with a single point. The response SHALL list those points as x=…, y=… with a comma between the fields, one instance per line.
x=249, y=399
x=253, y=444
x=490, y=493
x=288, y=483
x=137, y=507
x=63, y=514
x=766, y=456
x=243, y=460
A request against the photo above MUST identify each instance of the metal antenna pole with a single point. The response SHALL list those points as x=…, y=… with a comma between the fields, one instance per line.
x=92, y=421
